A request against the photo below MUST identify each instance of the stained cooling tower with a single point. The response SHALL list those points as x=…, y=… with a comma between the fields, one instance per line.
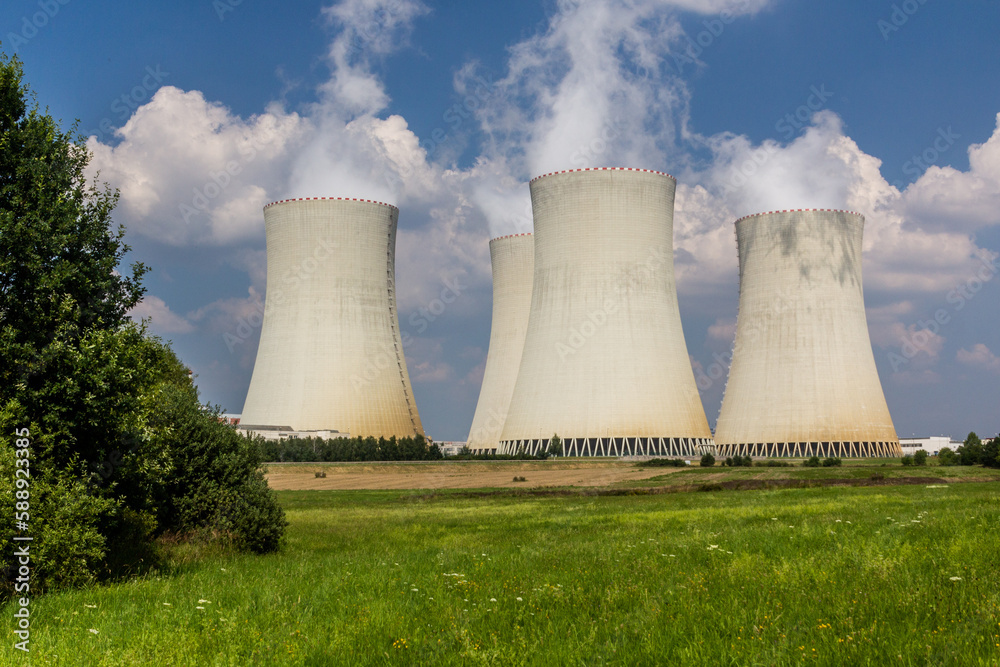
x=330, y=355
x=605, y=365
x=803, y=380
x=512, y=258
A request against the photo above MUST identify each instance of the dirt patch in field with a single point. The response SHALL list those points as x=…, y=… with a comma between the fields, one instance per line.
x=732, y=485
x=458, y=475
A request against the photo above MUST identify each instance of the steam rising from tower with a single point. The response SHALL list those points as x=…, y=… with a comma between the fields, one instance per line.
x=803, y=380
x=330, y=355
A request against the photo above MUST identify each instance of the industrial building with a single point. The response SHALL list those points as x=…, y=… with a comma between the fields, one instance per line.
x=512, y=259
x=932, y=445
x=605, y=364
x=803, y=380
x=330, y=357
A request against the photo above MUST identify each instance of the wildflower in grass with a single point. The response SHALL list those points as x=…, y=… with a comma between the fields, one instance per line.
x=414, y=589
x=94, y=631
x=202, y=608
x=167, y=604
x=954, y=578
x=493, y=599
x=204, y=602
x=90, y=606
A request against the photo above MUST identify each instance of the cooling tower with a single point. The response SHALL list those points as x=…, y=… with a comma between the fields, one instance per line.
x=512, y=258
x=803, y=380
x=605, y=365
x=330, y=355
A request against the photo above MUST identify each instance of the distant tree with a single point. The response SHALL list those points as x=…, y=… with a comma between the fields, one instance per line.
x=971, y=450
x=707, y=461
x=555, y=445
x=907, y=460
x=991, y=453
x=812, y=462
x=947, y=457
x=832, y=461
x=920, y=458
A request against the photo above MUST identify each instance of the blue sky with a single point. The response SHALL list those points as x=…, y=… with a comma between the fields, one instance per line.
x=329, y=98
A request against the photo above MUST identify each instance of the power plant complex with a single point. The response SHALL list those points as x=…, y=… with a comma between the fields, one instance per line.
x=803, y=380
x=331, y=357
x=604, y=364
x=586, y=339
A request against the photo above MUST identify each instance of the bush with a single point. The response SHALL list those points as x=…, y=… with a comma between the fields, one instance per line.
x=771, y=463
x=663, y=463
x=707, y=461
x=907, y=460
x=811, y=462
x=991, y=453
x=832, y=461
x=920, y=458
x=739, y=462
x=947, y=457
x=971, y=451
x=214, y=484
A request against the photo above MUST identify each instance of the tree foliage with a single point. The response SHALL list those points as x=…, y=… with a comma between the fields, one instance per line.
x=117, y=432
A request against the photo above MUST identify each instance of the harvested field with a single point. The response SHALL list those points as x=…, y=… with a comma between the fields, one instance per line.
x=457, y=475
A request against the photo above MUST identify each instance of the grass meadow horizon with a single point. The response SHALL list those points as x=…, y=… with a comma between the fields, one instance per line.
x=827, y=575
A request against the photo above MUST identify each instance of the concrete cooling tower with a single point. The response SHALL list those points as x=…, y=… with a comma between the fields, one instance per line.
x=803, y=380
x=605, y=365
x=512, y=258
x=330, y=355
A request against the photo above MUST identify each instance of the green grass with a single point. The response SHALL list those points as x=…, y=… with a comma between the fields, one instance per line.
x=829, y=576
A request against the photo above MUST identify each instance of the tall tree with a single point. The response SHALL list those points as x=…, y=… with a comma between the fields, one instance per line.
x=60, y=289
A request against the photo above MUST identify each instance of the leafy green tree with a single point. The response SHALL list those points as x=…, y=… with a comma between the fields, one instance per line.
x=971, y=450
x=87, y=381
x=920, y=458
x=947, y=457
x=907, y=460
x=555, y=445
x=991, y=453
x=707, y=461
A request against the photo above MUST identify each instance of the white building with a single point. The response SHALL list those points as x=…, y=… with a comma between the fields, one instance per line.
x=932, y=445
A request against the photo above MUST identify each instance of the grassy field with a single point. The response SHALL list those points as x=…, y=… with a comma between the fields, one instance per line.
x=832, y=576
